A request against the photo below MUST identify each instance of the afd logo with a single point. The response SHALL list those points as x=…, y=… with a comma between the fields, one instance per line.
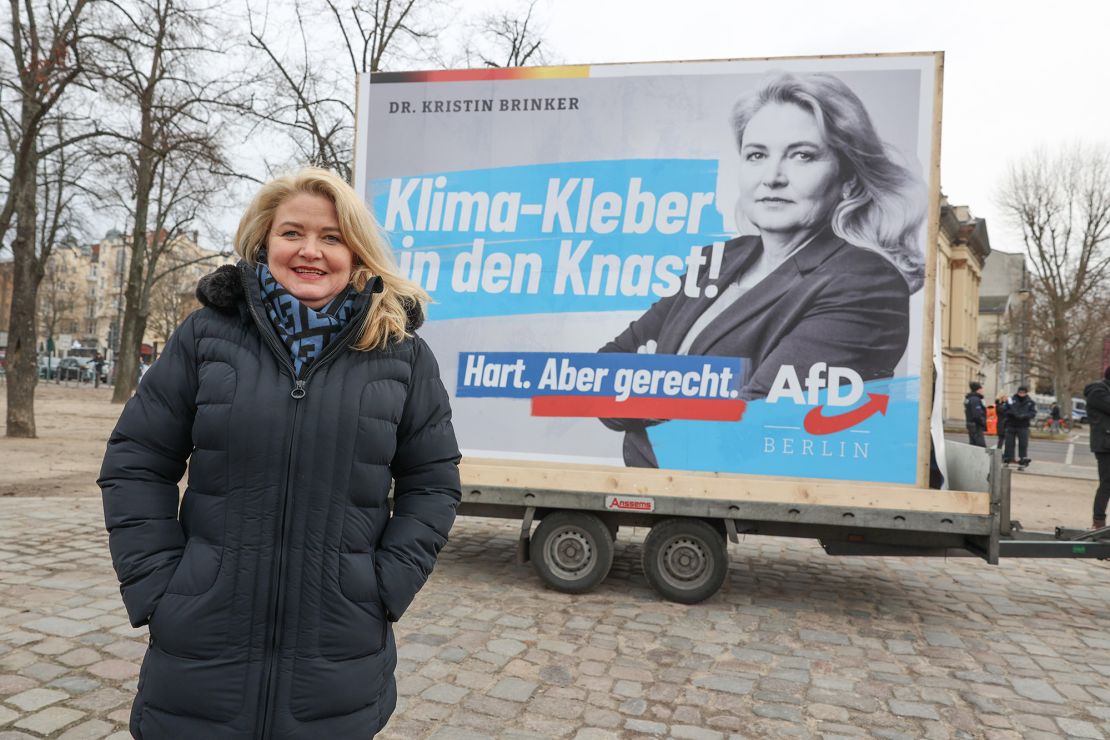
x=843, y=386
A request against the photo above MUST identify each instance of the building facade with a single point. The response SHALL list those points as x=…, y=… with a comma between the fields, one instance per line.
x=1004, y=303
x=81, y=297
x=962, y=249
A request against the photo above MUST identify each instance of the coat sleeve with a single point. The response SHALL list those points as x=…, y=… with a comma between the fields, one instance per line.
x=857, y=324
x=1098, y=398
x=426, y=488
x=980, y=413
x=145, y=459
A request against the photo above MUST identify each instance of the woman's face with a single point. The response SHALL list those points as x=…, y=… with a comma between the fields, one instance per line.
x=306, y=252
x=789, y=178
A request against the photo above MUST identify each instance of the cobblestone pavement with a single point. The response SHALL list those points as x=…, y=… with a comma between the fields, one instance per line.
x=797, y=644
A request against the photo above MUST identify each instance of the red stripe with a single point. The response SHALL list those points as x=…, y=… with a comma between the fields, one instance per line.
x=607, y=407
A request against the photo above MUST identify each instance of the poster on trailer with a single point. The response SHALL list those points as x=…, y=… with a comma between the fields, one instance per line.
x=698, y=266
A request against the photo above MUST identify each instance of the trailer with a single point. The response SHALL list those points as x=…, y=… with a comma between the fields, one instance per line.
x=571, y=515
x=585, y=232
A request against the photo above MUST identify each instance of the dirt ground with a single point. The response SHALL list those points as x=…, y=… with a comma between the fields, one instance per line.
x=74, y=423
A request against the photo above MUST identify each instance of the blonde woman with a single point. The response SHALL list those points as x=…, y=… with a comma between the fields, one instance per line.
x=296, y=396
x=828, y=279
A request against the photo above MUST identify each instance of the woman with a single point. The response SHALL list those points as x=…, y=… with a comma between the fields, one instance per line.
x=296, y=395
x=838, y=254
x=1001, y=409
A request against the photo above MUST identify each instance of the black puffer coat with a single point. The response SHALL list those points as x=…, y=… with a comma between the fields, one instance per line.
x=270, y=594
x=1098, y=413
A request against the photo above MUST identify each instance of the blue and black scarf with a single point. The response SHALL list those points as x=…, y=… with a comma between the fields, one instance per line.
x=305, y=331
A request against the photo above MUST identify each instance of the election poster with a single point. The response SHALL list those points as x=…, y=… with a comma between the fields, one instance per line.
x=695, y=266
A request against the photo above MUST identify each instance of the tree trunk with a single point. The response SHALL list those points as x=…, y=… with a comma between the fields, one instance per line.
x=134, y=317
x=22, y=360
x=134, y=324
x=1061, y=385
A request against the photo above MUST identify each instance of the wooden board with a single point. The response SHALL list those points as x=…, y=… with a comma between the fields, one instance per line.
x=925, y=410
x=477, y=473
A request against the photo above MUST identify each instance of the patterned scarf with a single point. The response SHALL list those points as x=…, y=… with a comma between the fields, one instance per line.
x=305, y=331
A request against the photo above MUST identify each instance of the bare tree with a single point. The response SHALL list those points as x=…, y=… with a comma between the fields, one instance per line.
x=167, y=164
x=173, y=295
x=1060, y=203
x=310, y=94
x=1088, y=325
x=507, y=39
x=42, y=65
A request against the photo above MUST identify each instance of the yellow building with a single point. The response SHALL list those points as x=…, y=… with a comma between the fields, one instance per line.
x=81, y=296
x=64, y=299
x=962, y=249
x=179, y=269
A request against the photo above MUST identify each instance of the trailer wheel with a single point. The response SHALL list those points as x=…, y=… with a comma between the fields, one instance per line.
x=685, y=560
x=572, y=551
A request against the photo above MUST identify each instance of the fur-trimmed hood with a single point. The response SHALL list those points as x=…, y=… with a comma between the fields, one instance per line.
x=223, y=291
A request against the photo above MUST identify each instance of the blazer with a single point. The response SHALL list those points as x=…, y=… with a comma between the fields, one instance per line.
x=830, y=302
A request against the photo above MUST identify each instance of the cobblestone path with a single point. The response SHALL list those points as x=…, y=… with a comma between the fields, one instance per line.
x=796, y=644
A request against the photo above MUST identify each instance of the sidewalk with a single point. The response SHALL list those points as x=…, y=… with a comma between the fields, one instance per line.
x=1058, y=470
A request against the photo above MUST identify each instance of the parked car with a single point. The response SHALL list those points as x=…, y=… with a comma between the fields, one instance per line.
x=73, y=368
x=47, y=366
x=1079, y=411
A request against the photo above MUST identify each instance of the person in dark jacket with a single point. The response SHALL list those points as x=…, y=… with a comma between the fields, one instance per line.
x=1054, y=414
x=829, y=277
x=1098, y=414
x=1001, y=408
x=296, y=395
x=1021, y=412
x=975, y=415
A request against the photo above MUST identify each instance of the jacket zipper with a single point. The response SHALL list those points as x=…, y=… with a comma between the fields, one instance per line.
x=298, y=392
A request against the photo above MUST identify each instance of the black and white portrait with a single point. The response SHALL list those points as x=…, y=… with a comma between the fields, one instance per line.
x=836, y=254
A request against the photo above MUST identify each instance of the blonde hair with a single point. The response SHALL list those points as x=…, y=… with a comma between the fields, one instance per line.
x=388, y=318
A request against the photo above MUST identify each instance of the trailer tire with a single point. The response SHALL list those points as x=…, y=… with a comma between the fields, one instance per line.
x=572, y=551
x=685, y=560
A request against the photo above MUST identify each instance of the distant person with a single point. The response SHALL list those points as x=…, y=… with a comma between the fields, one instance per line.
x=143, y=367
x=1098, y=415
x=975, y=415
x=1001, y=408
x=1055, y=415
x=1021, y=413
x=98, y=368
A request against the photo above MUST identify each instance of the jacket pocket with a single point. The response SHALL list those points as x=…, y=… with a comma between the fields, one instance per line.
x=353, y=625
x=197, y=570
x=191, y=619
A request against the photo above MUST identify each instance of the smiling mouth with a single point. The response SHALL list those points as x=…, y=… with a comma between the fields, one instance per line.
x=309, y=271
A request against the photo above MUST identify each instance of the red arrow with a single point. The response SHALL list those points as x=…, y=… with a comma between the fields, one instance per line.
x=817, y=423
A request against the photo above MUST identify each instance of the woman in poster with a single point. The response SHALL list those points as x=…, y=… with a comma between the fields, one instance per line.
x=829, y=276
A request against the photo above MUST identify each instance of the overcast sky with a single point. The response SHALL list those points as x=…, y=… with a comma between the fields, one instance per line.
x=1018, y=74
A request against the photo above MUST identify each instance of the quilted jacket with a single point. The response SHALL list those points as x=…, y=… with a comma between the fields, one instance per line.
x=270, y=587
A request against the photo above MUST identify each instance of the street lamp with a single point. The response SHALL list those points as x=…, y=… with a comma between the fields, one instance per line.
x=1026, y=297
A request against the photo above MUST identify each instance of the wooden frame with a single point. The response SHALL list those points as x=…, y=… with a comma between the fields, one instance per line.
x=717, y=486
